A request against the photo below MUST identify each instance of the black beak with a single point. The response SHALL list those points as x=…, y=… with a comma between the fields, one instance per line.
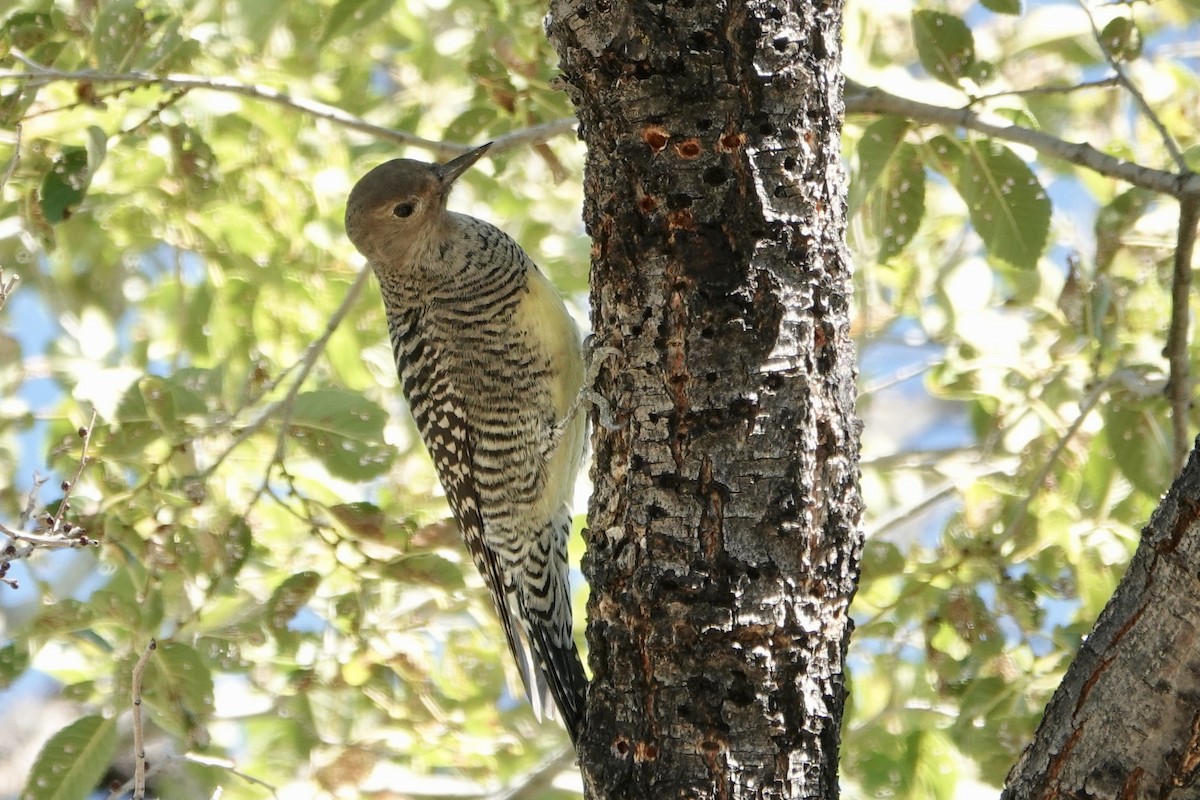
x=451, y=170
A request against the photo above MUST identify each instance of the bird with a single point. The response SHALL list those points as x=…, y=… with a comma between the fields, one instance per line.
x=492, y=367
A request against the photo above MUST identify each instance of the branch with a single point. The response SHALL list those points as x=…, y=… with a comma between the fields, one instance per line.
x=1138, y=98
x=1101, y=83
x=12, y=167
x=306, y=363
x=872, y=100
x=40, y=74
x=1035, y=487
x=139, y=738
x=540, y=779
x=7, y=285
x=57, y=533
x=1179, y=385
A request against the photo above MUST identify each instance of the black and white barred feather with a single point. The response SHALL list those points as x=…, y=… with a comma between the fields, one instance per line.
x=490, y=361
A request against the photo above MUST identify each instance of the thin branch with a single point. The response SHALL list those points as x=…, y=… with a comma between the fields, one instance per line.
x=85, y=433
x=16, y=157
x=907, y=514
x=1035, y=487
x=228, y=766
x=1136, y=93
x=535, y=783
x=7, y=285
x=1102, y=83
x=1179, y=385
x=305, y=363
x=193, y=758
x=139, y=737
x=56, y=533
x=40, y=74
x=872, y=100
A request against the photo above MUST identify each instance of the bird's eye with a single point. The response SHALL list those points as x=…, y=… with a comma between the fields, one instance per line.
x=403, y=210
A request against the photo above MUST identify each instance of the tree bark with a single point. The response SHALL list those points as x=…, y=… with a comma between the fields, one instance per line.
x=724, y=528
x=1125, y=722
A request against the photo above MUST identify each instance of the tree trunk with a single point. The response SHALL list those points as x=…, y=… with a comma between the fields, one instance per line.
x=1125, y=722
x=724, y=533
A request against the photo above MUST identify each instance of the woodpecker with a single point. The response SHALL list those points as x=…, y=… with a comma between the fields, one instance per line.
x=491, y=365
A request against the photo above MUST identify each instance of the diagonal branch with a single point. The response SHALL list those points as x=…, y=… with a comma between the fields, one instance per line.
x=1139, y=98
x=306, y=363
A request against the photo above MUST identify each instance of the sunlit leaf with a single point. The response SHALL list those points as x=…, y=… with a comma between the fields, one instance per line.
x=179, y=687
x=1138, y=440
x=1008, y=207
x=119, y=34
x=945, y=45
x=73, y=760
x=344, y=431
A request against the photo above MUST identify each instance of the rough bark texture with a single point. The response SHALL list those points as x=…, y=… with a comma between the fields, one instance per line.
x=724, y=529
x=1125, y=723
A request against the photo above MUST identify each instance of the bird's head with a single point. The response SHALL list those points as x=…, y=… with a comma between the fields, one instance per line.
x=397, y=208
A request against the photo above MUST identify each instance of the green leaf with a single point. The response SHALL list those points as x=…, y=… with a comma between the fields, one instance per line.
x=945, y=45
x=890, y=186
x=65, y=616
x=159, y=402
x=97, y=148
x=65, y=184
x=178, y=685
x=344, y=431
x=25, y=30
x=875, y=152
x=882, y=558
x=1008, y=207
x=1012, y=7
x=119, y=34
x=173, y=52
x=901, y=205
x=14, y=660
x=289, y=597
x=1122, y=38
x=353, y=14
x=427, y=568
x=1115, y=220
x=73, y=761
x=1139, y=445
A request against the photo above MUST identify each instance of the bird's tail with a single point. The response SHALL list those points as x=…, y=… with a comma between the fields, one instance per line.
x=539, y=596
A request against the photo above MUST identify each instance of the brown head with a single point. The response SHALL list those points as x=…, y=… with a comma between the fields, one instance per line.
x=398, y=207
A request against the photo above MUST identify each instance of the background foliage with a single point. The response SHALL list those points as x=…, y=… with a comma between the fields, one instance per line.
x=256, y=496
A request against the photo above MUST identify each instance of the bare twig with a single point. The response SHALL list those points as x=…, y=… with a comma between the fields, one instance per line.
x=85, y=433
x=55, y=532
x=1102, y=83
x=1179, y=386
x=139, y=736
x=305, y=363
x=1035, y=487
x=193, y=758
x=872, y=100
x=7, y=285
x=536, y=782
x=16, y=157
x=39, y=74
x=1135, y=93
x=228, y=766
